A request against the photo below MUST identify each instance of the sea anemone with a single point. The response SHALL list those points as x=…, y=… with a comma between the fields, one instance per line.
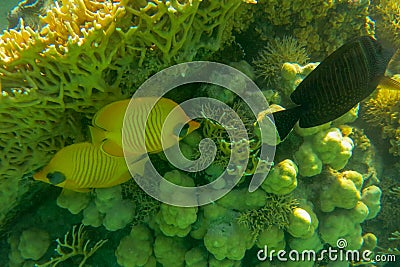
x=278, y=51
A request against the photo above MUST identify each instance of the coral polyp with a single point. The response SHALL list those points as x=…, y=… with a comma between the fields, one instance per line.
x=278, y=51
x=383, y=110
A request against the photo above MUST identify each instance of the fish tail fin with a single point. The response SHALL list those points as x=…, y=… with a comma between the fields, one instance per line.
x=285, y=120
x=98, y=135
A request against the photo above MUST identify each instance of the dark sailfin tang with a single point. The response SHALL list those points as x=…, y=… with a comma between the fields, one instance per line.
x=337, y=84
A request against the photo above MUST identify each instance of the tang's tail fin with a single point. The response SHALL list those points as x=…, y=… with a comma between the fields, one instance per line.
x=285, y=120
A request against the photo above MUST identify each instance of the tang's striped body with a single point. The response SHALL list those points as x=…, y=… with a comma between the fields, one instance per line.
x=82, y=166
x=336, y=85
x=343, y=79
x=143, y=129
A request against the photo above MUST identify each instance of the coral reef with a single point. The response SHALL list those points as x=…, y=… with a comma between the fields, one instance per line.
x=275, y=212
x=28, y=12
x=387, y=13
x=382, y=110
x=74, y=243
x=86, y=54
x=323, y=185
x=319, y=26
x=269, y=62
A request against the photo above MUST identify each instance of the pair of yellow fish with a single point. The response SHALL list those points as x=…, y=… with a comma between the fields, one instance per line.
x=101, y=163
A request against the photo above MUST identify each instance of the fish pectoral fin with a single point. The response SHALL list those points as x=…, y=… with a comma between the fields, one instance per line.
x=285, y=120
x=98, y=135
x=112, y=149
x=389, y=84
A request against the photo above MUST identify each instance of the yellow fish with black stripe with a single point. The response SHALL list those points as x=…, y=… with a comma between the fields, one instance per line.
x=144, y=132
x=82, y=166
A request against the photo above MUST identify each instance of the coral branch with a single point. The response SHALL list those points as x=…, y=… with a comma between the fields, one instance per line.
x=74, y=244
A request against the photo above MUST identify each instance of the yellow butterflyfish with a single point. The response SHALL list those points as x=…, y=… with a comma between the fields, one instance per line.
x=83, y=166
x=143, y=115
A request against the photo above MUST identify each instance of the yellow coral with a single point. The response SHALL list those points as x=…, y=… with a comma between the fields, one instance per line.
x=389, y=23
x=321, y=26
x=75, y=243
x=383, y=110
x=86, y=54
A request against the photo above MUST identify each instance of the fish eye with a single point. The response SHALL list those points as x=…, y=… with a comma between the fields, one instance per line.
x=180, y=130
x=56, y=178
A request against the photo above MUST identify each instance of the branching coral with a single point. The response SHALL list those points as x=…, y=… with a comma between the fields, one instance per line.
x=74, y=244
x=388, y=25
x=86, y=54
x=320, y=26
x=383, y=110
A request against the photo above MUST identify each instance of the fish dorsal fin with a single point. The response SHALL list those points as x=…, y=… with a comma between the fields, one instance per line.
x=98, y=135
x=285, y=120
x=111, y=148
x=388, y=83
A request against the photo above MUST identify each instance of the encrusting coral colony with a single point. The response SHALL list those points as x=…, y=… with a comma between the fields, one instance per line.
x=84, y=54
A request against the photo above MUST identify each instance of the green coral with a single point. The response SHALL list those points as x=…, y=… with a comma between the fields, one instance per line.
x=135, y=249
x=382, y=111
x=325, y=147
x=344, y=223
x=87, y=54
x=302, y=222
x=227, y=240
x=275, y=212
x=320, y=26
x=343, y=190
x=269, y=62
x=176, y=221
x=170, y=251
x=282, y=179
x=371, y=196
